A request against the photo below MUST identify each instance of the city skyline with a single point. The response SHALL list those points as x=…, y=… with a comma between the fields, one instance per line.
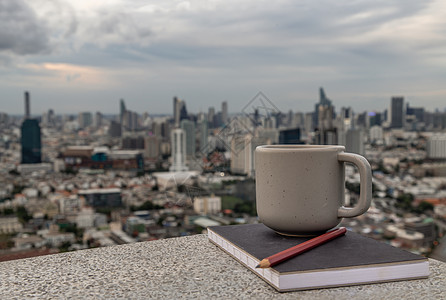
x=26, y=108
x=75, y=56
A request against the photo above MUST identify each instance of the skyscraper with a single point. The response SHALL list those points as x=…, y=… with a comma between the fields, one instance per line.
x=30, y=138
x=27, y=109
x=98, y=119
x=211, y=115
x=326, y=133
x=224, y=112
x=85, y=119
x=115, y=129
x=183, y=111
x=189, y=130
x=355, y=141
x=203, y=128
x=130, y=120
x=397, y=112
x=178, y=139
x=176, y=111
x=323, y=101
x=122, y=110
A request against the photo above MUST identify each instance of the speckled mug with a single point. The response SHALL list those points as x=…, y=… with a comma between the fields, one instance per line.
x=300, y=188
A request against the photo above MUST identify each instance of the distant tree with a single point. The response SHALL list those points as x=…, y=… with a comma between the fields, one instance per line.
x=65, y=247
x=148, y=205
x=14, y=172
x=352, y=187
x=7, y=211
x=423, y=207
x=404, y=201
x=245, y=208
x=22, y=214
x=69, y=171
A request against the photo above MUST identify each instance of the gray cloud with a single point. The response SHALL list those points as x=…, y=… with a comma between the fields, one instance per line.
x=21, y=32
x=360, y=51
x=114, y=27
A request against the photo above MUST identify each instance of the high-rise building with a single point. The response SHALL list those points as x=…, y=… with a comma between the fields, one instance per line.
x=31, y=144
x=115, y=129
x=224, y=112
x=177, y=103
x=211, y=115
x=376, y=134
x=27, y=106
x=298, y=120
x=165, y=130
x=203, y=128
x=133, y=142
x=122, y=110
x=30, y=137
x=375, y=119
x=355, y=141
x=98, y=119
x=156, y=129
x=346, y=118
x=218, y=120
x=130, y=120
x=48, y=119
x=152, y=147
x=326, y=133
x=242, y=154
x=418, y=112
x=397, y=112
x=183, y=112
x=85, y=119
x=178, y=139
x=290, y=136
x=323, y=101
x=308, y=122
x=189, y=130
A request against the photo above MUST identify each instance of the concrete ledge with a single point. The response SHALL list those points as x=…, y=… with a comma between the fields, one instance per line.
x=187, y=267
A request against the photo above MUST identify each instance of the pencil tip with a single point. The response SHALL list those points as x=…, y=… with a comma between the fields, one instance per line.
x=258, y=266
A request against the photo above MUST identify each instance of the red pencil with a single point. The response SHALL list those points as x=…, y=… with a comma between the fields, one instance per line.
x=302, y=247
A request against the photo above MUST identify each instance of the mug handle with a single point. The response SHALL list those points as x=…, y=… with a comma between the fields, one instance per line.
x=365, y=192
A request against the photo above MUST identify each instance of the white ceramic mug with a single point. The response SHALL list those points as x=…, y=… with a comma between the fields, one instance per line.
x=300, y=188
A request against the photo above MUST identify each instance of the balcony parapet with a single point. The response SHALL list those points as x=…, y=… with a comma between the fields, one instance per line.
x=186, y=267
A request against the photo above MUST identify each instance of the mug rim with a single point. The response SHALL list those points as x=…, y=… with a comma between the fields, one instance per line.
x=285, y=147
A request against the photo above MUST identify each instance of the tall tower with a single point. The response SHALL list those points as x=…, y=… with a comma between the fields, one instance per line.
x=189, y=129
x=224, y=112
x=178, y=138
x=31, y=144
x=85, y=119
x=176, y=111
x=323, y=101
x=27, y=109
x=30, y=137
x=122, y=110
x=397, y=112
x=211, y=115
x=203, y=128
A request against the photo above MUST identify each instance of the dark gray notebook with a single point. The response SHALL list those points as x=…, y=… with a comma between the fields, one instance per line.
x=347, y=260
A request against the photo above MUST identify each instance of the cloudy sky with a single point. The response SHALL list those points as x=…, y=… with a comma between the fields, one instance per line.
x=83, y=55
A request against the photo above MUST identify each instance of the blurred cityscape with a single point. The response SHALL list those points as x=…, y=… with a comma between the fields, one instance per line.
x=71, y=182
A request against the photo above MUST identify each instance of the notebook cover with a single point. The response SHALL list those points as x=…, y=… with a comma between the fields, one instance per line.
x=350, y=250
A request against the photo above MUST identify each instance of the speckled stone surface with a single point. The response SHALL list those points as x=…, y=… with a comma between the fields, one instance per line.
x=188, y=267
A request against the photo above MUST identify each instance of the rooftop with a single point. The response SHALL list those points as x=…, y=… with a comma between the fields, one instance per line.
x=186, y=267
